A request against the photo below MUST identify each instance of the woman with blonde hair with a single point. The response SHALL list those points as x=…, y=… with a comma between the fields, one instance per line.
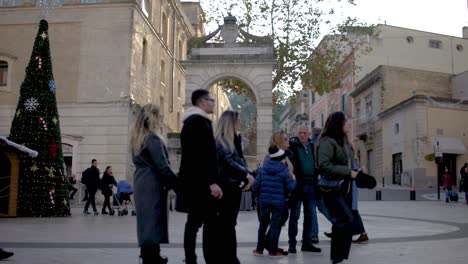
x=234, y=177
x=153, y=178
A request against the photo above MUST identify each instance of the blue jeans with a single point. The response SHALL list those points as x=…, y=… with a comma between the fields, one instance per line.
x=310, y=225
x=447, y=194
x=272, y=217
x=466, y=197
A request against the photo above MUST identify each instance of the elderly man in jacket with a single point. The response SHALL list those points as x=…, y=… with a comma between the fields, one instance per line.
x=305, y=192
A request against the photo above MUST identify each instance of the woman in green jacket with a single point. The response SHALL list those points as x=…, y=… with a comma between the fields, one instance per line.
x=335, y=157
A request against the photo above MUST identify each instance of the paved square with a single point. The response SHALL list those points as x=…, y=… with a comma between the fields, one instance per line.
x=400, y=232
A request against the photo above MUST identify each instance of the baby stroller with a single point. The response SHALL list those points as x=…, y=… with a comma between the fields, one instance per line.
x=122, y=198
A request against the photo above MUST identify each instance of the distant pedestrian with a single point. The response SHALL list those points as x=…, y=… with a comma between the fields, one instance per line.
x=448, y=184
x=71, y=186
x=464, y=182
x=107, y=182
x=93, y=182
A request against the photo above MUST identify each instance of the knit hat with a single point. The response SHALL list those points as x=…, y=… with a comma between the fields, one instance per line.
x=276, y=153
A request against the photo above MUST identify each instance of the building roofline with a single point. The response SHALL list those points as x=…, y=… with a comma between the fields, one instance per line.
x=422, y=31
x=373, y=77
x=418, y=99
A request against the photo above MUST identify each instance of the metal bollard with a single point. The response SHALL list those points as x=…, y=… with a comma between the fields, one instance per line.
x=413, y=194
x=378, y=195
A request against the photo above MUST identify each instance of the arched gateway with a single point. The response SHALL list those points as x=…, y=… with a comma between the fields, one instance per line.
x=249, y=60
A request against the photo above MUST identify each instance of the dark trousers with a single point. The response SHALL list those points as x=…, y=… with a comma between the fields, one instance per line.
x=86, y=194
x=271, y=217
x=227, y=221
x=204, y=214
x=106, y=203
x=339, y=208
x=283, y=220
x=150, y=254
x=358, y=225
x=91, y=199
x=72, y=190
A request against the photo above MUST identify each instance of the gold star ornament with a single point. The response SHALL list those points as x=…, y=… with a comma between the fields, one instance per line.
x=34, y=168
x=54, y=120
x=51, y=171
x=43, y=35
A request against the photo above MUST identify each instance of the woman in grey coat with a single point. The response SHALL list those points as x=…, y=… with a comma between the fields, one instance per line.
x=153, y=179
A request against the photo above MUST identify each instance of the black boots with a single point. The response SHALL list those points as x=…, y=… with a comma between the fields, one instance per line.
x=150, y=255
x=5, y=254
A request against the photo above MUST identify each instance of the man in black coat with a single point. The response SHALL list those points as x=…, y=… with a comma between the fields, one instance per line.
x=92, y=181
x=198, y=177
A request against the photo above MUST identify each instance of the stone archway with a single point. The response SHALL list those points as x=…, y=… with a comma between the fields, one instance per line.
x=250, y=61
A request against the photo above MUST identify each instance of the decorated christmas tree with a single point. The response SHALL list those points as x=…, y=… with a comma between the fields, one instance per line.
x=42, y=187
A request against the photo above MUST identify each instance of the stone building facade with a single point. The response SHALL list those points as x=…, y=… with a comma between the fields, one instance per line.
x=401, y=114
x=108, y=56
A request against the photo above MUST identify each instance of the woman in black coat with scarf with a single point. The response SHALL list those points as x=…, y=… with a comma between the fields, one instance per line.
x=106, y=188
x=153, y=179
x=234, y=177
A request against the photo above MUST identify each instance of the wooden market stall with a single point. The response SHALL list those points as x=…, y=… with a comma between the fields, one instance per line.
x=9, y=173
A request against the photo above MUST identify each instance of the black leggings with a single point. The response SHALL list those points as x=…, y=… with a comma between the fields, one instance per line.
x=339, y=206
x=106, y=203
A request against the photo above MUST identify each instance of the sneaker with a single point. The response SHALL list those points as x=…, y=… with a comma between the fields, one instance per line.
x=329, y=235
x=275, y=255
x=292, y=250
x=257, y=253
x=314, y=240
x=362, y=238
x=86, y=212
x=96, y=213
x=337, y=261
x=310, y=248
x=104, y=212
x=163, y=260
x=5, y=254
x=283, y=252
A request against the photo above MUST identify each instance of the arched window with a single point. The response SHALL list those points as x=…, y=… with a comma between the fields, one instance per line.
x=3, y=73
x=163, y=73
x=164, y=26
x=181, y=50
x=146, y=7
x=144, y=51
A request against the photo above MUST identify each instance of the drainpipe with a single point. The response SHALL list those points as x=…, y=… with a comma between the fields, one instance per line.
x=171, y=107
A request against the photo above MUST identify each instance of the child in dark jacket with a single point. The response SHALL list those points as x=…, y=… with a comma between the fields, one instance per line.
x=272, y=184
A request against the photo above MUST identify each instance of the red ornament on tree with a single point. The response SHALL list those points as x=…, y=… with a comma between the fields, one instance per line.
x=53, y=149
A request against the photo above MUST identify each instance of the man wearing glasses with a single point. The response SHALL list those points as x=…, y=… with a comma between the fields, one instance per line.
x=198, y=177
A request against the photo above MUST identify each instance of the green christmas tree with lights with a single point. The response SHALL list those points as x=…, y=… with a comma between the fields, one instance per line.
x=42, y=190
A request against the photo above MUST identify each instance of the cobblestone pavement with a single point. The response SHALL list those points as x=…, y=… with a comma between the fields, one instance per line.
x=400, y=232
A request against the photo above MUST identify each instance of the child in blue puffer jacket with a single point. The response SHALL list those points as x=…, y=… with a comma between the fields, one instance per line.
x=272, y=185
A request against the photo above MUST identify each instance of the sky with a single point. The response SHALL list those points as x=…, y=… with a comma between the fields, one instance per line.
x=439, y=16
